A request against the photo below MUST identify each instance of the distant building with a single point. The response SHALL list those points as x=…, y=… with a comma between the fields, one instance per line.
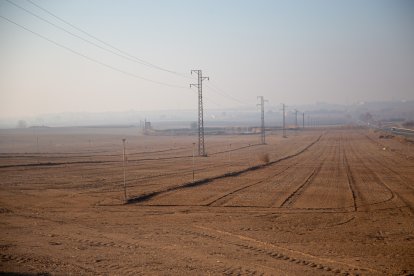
x=147, y=125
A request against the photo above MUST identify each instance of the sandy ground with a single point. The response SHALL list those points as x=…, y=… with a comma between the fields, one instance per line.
x=330, y=201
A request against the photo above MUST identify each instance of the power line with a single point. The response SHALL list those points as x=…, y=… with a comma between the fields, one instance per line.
x=208, y=99
x=124, y=54
x=220, y=91
x=213, y=102
x=69, y=32
x=89, y=58
x=141, y=61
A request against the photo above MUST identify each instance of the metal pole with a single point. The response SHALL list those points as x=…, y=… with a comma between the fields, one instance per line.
x=199, y=85
x=193, y=160
x=124, y=157
x=296, y=118
x=263, y=124
x=229, y=157
x=37, y=149
x=200, y=116
x=250, y=153
x=284, y=126
x=262, y=130
x=303, y=120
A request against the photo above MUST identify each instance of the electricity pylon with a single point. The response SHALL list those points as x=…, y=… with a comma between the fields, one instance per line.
x=284, y=121
x=296, y=118
x=199, y=85
x=303, y=120
x=263, y=131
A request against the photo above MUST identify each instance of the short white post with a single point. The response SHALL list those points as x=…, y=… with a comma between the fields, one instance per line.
x=124, y=159
x=193, y=160
x=229, y=157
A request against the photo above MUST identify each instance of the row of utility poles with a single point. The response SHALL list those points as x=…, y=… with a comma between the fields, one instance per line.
x=199, y=85
x=200, y=125
x=311, y=122
x=263, y=134
x=201, y=147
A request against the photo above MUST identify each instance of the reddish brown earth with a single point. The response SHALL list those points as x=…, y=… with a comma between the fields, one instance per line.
x=331, y=201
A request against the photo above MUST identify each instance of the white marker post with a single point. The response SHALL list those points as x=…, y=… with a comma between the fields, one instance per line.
x=229, y=157
x=124, y=157
x=193, y=159
x=37, y=149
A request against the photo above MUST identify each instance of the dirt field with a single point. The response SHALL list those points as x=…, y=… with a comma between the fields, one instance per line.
x=330, y=201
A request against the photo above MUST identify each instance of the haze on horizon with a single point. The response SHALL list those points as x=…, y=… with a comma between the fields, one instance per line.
x=296, y=52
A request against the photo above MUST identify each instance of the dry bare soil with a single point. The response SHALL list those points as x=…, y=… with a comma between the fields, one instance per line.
x=330, y=201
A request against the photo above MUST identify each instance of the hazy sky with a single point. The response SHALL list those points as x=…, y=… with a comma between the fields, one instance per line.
x=296, y=52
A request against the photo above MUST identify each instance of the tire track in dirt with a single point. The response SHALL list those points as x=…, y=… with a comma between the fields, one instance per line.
x=402, y=177
x=406, y=182
x=396, y=152
x=231, y=195
x=102, y=265
x=377, y=179
x=227, y=268
x=45, y=164
x=351, y=183
x=95, y=243
x=49, y=164
x=187, y=170
x=397, y=177
x=281, y=230
x=220, y=198
x=181, y=172
x=394, y=175
x=400, y=197
x=22, y=260
x=104, y=185
x=278, y=253
x=136, y=181
x=85, y=154
x=291, y=199
x=329, y=188
x=321, y=173
x=148, y=196
x=238, y=270
x=234, y=149
x=370, y=173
